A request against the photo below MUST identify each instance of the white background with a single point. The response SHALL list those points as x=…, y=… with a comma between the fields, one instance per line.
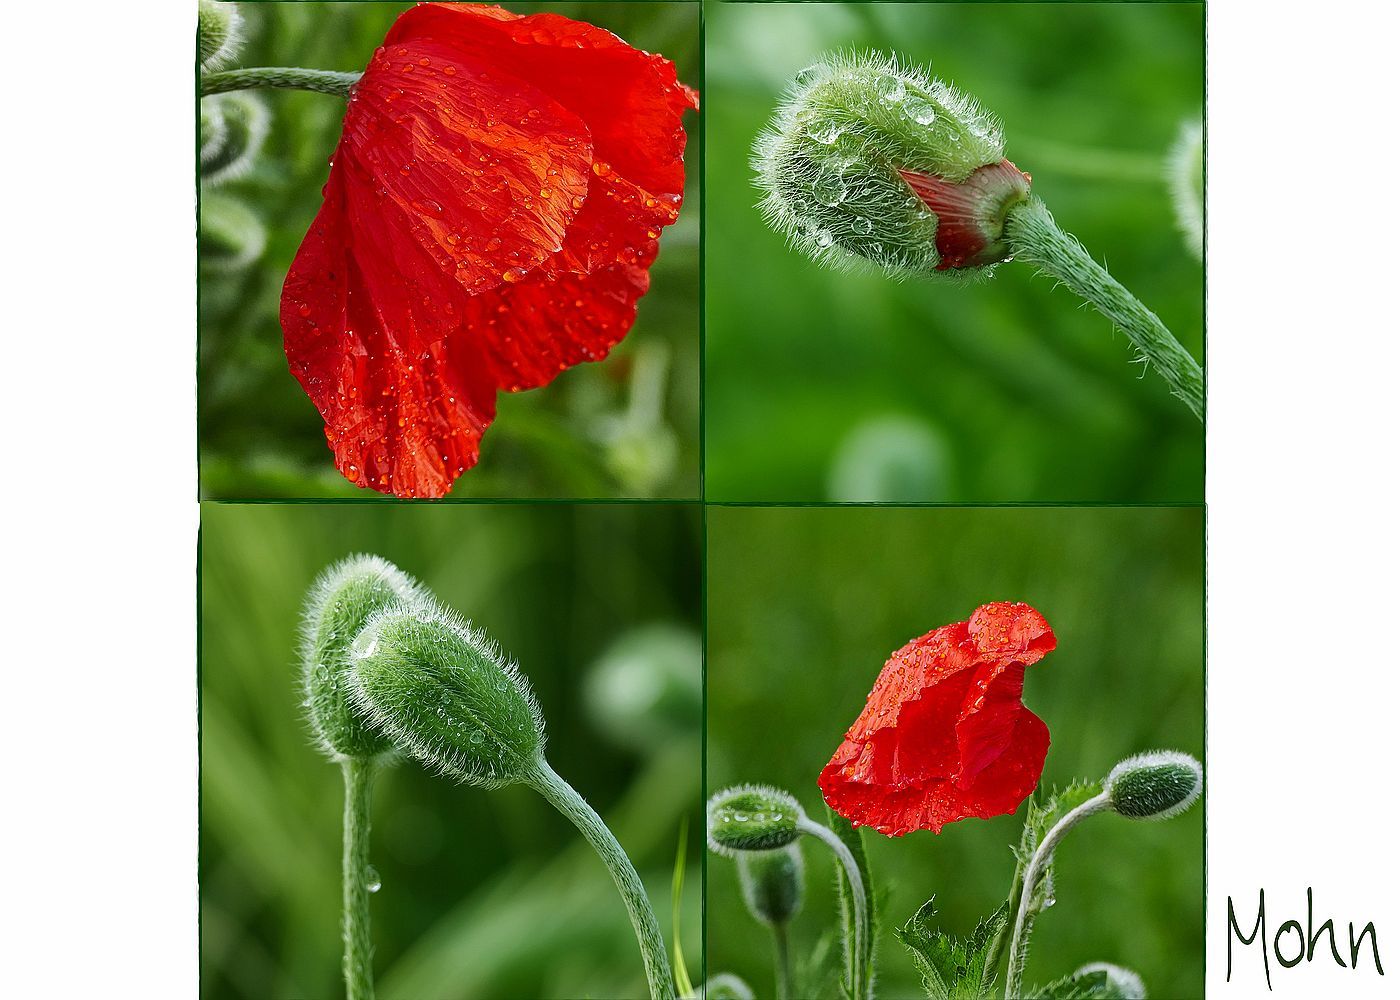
x=97, y=679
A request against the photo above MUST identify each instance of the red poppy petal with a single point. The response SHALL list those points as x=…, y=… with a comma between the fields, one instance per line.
x=1011, y=630
x=401, y=414
x=1004, y=783
x=988, y=717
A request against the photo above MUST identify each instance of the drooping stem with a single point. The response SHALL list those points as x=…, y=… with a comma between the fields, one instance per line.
x=1017, y=962
x=322, y=81
x=782, y=962
x=1035, y=238
x=561, y=795
x=358, y=963
x=848, y=863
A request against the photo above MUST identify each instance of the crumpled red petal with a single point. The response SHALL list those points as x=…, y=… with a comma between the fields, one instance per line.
x=944, y=735
x=492, y=210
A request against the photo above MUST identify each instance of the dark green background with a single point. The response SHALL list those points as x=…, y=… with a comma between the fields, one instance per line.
x=804, y=607
x=259, y=434
x=486, y=894
x=1000, y=391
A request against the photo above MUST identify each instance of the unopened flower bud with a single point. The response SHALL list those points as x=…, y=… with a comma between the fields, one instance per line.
x=447, y=694
x=867, y=158
x=751, y=818
x=726, y=986
x=219, y=34
x=1155, y=785
x=772, y=883
x=339, y=603
x=1111, y=982
x=231, y=236
x=232, y=129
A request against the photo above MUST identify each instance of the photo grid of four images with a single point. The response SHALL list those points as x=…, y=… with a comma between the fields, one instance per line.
x=701, y=499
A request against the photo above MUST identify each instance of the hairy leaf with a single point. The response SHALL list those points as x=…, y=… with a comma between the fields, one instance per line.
x=953, y=968
x=1087, y=984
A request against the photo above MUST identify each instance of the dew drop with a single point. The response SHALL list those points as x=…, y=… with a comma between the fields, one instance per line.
x=919, y=110
x=862, y=226
x=829, y=189
x=891, y=88
x=823, y=238
x=513, y=274
x=372, y=881
x=825, y=133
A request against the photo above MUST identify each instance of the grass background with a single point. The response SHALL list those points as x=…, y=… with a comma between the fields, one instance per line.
x=485, y=894
x=260, y=436
x=804, y=607
x=824, y=385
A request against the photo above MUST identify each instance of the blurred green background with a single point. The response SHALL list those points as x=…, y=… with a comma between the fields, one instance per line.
x=804, y=607
x=822, y=385
x=628, y=426
x=486, y=895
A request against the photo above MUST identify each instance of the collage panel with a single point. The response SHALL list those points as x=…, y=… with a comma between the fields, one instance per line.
x=1037, y=651
x=436, y=277
x=878, y=163
x=334, y=642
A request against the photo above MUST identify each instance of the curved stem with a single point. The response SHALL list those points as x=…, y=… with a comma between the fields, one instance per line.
x=1035, y=237
x=848, y=862
x=358, y=962
x=561, y=795
x=322, y=81
x=782, y=962
x=1016, y=964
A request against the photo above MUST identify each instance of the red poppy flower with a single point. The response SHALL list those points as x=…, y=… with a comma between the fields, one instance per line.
x=944, y=735
x=491, y=212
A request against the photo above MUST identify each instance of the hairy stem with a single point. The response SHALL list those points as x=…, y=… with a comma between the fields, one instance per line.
x=322, y=81
x=561, y=795
x=1017, y=963
x=358, y=963
x=1035, y=238
x=843, y=854
x=782, y=963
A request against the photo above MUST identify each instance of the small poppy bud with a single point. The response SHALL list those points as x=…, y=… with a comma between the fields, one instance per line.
x=1155, y=785
x=1118, y=982
x=338, y=605
x=232, y=128
x=752, y=818
x=219, y=34
x=868, y=158
x=231, y=236
x=772, y=883
x=447, y=694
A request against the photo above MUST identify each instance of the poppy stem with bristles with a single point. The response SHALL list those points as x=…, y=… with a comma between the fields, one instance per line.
x=321, y=81
x=1017, y=962
x=561, y=795
x=358, y=962
x=848, y=864
x=782, y=963
x=1035, y=238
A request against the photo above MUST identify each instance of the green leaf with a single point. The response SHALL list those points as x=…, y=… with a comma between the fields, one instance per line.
x=860, y=975
x=953, y=968
x=1087, y=984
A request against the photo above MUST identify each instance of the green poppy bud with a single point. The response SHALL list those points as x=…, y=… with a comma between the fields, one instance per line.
x=868, y=159
x=1155, y=785
x=1110, y=982
x=752, y=818
x=447, y=695
x=339, y=603
x=232, y=129
x=219, y=34
x=772, y=883
x=726, y=986
x=231, y=236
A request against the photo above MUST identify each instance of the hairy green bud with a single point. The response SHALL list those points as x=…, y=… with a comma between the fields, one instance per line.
x=726, y=986
x=341, y=600
x=219, y=34
x=868, y=159
x=1110, y=982
x=772, y=883
x=751, y=818
x=231, y=236
x=1155, y=785
x=447, y=695
x=232, y=129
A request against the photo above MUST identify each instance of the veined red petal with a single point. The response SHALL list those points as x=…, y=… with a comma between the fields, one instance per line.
x=944, y=734
x=492, y=210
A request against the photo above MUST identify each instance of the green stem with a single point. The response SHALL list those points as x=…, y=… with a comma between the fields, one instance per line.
x=859, y=974
x=1016, y=965
x=358, y=963
x=322, y=81
x=1036, y=238
x=561, y=795
x=782, y=962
